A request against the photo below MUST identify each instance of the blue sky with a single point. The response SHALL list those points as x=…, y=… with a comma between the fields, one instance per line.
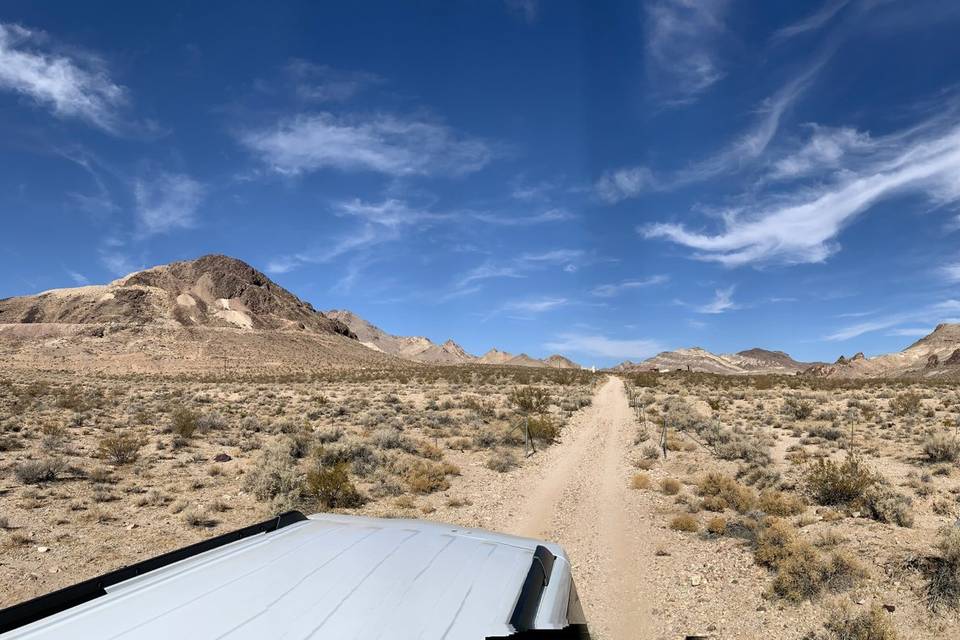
x=603, y=179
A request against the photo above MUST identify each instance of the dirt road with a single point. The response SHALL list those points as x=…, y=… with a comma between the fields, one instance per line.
x=579, y=500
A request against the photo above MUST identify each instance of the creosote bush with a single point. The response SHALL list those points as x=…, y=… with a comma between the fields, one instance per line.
x=830, y=483
x=905, y=404
x=183, y=422
x=426, y=477
x=122, y=448
x=331, y=487
x=940, y=447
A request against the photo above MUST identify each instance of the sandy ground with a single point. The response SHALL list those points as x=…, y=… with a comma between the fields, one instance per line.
x=579, y=503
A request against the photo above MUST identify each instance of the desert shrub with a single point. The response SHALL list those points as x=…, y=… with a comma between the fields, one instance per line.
x=331, y=487
x=362, y=459
x=121, y=448
x=502, y=460
x=942, y=589
x=907, y=403
x=827, y=432
x=685, y=522
x=529, y=400
x=640, y=481
x=773, y=538
x=651, y=452
x=670, y=486
x=198, y=519
x=797, y=408
x=485, y=439
x=543, y=428
x=211, y=421
x=831, y=483
x=779, y=503
x=641, y=436
x=425, y=477
x=275, y=476
x=844, y=624
x=328, y=435
x=801, y=571
x=37, y=471
x=183, y=422
x=740, y=447
x=883, y=504
x=940, y=447
x=721, y=492
x=392, y=439
x=717, y=525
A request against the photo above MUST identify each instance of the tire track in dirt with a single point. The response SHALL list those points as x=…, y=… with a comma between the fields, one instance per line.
x=578, y=498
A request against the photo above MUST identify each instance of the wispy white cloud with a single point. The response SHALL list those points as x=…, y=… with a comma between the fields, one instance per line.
x=742, y=152
x=385, y=144
x=801, y=226
x=533, y=306
x=518, y=267
x=601, y=346
x=528, y=10
x=611, y=290
x=78, y=278
x=626, y=182
x=551, y=215
x=681, y=36
x=911, y=332
x=486, y=271
x=117, y=262
x=815, y=21
x=721, y=303
x=166, y=201
x=71, y=86
x=381, y=222
x=322, y=83
x=944, y=311
x=951, y=272
x=821, y=153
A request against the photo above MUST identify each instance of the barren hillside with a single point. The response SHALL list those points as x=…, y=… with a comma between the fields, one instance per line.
x=212, y=313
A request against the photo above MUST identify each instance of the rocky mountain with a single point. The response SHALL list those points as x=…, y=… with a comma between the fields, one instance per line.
x=934, y=355
x=214, y=312
x=420, y=349
x=416, y=348
x=701, y=360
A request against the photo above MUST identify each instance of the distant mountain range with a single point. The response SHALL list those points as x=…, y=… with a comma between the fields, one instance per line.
x=701, y=360
x=217, y=313
x=936, y=355
x=424, y=350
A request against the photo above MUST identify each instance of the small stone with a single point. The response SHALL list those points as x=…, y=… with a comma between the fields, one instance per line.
x=761, y=608
x=43, y=549
x=695, y=580
x=222, y=457
x=131, y=526
x=890, y=608
x=861, y=601
x=54, y=569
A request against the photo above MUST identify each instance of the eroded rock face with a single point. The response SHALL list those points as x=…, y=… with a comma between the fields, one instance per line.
x=211, y=291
